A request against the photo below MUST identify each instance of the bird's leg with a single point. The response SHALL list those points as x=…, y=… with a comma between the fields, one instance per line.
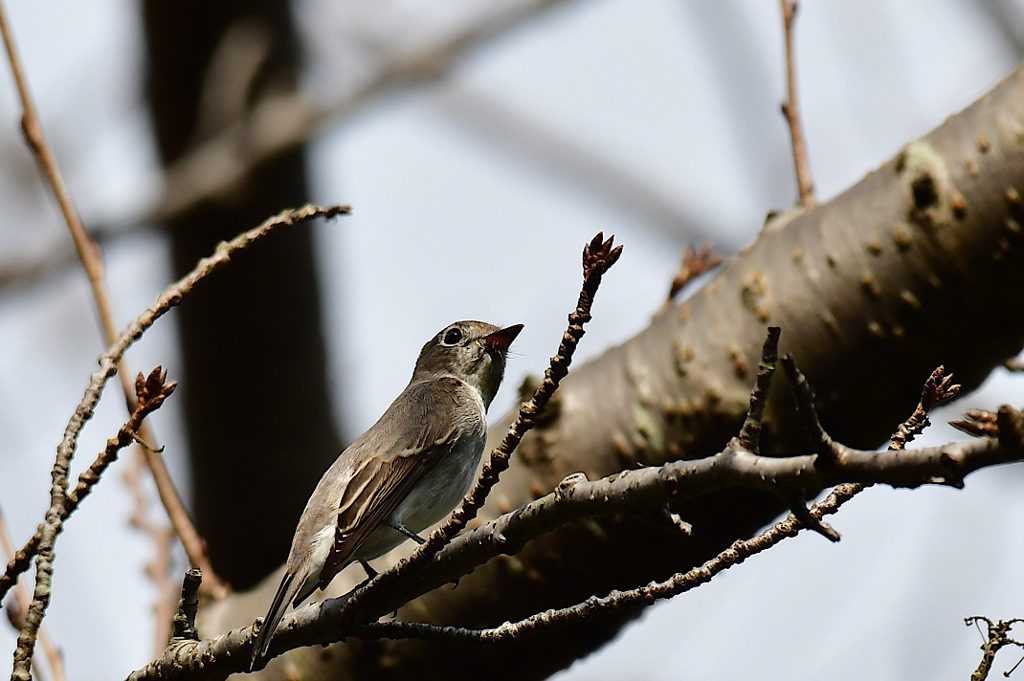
x=370, y=573
x=399, y=527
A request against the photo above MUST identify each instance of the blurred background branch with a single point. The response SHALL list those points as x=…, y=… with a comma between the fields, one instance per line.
x=473, y=141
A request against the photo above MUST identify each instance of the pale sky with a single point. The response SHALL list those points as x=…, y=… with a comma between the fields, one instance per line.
x=451, y=220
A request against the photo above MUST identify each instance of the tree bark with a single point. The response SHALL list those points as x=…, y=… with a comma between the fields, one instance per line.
x=919, y=264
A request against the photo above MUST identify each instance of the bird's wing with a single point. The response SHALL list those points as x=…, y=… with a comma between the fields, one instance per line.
x=381, y=482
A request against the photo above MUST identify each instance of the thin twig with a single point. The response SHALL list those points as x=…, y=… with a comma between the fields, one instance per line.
x=159, y=566
x=616, y=600
x=598, y=257
x=53, y=656
x=169, y=298
x=938, y=388
x=998, y=636
x=333, y=619
x=188, y=605
x=695, y=263
x=181, y=521
x=791, y=110
x=88, y=251
x=978, y=422
x=750, y=433
x=91, y=257
x=152, y=392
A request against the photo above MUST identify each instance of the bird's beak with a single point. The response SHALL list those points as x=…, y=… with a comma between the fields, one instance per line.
x=501, y=339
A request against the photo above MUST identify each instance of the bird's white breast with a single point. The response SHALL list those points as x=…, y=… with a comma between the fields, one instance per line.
x=441, y=490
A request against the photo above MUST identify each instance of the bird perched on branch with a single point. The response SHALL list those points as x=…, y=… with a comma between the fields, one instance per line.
x=405, y=473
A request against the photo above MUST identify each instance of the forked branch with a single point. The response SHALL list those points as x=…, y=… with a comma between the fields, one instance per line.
x=642, y=491
x=108, y=361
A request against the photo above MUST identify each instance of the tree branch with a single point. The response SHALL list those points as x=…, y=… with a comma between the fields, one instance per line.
x=108, y=366
x=91, y=257
x=863, y=286
x=695, y=263
x=281, y=122
x=598, y=257
x=158, y=568
x=21, y=605
x=791, y=110
x=998, y=637
x=628, y=492
x=151, y=394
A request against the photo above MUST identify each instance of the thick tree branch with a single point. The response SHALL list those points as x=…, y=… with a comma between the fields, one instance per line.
x=864, y=286
x=749, y=437
x=629, y=492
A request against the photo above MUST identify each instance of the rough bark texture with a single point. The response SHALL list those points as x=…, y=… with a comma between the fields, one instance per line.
x=257, y=330
x=920, y=263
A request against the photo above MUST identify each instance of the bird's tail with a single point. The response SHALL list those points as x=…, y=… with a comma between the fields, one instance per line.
x=285, y=593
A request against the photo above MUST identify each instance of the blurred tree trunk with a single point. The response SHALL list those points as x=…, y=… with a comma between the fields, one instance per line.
x=255, y=457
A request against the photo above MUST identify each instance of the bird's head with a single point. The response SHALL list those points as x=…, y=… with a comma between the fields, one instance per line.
x=471, y=351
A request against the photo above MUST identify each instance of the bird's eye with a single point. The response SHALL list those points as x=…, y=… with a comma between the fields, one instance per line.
x=452, y=336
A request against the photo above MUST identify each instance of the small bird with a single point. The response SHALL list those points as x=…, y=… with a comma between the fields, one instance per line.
x=405, y=473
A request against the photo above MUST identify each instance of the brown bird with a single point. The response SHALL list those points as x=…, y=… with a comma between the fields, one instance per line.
x=405, y=473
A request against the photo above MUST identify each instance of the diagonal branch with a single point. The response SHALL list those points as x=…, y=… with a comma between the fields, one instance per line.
x=628, y=492
x=791, y=110
x=150, y=392
x=893, y=470
x=598, y=257
x=91, y=257
x=20, y=606
x=998, y=636
x=169, y=298
x=282, y=122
